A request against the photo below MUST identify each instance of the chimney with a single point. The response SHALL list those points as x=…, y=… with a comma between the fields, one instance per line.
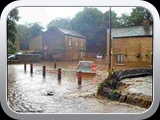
x=146, y=24
x=146, y=21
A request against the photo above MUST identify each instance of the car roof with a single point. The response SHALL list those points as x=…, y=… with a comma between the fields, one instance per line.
x=87, y=61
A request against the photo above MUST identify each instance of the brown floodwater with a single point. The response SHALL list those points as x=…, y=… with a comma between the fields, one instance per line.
x=30, y=93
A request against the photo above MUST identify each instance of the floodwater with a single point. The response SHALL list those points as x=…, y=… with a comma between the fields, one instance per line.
x=33, y=93
x=139, y=85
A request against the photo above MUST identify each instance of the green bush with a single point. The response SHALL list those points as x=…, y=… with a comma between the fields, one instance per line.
x=100, y=86
x=115, y=91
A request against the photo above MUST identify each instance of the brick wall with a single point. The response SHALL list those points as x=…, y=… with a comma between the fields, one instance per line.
x=51, y=40
x=35, y=43
x=130, y=47
x=75, y=47
x=29, y=58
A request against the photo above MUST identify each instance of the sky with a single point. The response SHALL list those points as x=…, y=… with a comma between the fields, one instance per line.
x=44, y=15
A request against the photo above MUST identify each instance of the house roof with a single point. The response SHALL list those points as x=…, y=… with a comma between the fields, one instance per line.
x=72, y=33
x=130, y=31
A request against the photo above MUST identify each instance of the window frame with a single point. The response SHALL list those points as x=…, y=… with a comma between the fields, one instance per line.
x=119, y=60
x=76, y=43
x=81, y=43
x=70, y=42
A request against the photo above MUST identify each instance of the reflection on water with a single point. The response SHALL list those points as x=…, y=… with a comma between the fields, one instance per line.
x=31, y=75
x=43, y=79
x=93, y=81
x=59, y=82
x=79, y=87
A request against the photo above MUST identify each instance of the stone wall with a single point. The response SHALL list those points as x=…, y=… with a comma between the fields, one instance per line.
x=77, y=49
x=29, y=58
x=131, y=48
x=109, y=87
x=35, y=43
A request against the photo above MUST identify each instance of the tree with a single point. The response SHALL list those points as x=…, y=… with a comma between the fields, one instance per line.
x=136, y=17
x=63, y=23
x=11, y=29
x=23, y=36
x=93, y=24
x=88, y=23
x=35, y=29
x=26, y=32
x=124, y=20
x=114, y=19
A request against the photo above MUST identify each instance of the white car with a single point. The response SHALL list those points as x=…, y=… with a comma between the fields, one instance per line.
x=86, y=67
x=19, y=53
x=11, y=57
x=99, y=56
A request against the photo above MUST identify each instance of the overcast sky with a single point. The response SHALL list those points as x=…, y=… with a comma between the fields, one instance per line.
x=46, y=14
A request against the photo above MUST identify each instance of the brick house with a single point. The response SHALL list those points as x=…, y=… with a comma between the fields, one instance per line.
x=131, y=47
x=60, y=44
x=35, y=43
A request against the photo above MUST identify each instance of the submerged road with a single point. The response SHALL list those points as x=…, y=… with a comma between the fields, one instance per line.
x=33, y=93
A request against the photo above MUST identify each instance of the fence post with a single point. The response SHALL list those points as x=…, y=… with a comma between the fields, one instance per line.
x=25, y=65
x=79, y=77
x=55, y=64
x=44, y=71
x=31, y=68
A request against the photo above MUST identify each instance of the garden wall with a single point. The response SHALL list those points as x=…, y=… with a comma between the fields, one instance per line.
x=29, y=58
x=109, y=87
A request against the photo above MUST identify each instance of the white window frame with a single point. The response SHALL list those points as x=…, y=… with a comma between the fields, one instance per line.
x=76, y=44
x=119, y=58
x=70, y=42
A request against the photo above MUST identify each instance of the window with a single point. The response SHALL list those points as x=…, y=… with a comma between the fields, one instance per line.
x=86, y=64
x=76, y=44
x=75, y=55
x=82, y=55
x=81, y=43
x=120, y=58
x=45, y=47
x=70, y=42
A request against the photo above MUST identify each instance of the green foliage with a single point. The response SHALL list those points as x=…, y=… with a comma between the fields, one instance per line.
x=114, y=19
x=11, y=30
x=23, y=36
x=124, y=20
x=35, y=29
x=11, y=23
x=100, y=86
x=26, y=32
x=63, y=23
x=136, y=17
x=115, y=91
x=11, y=48
x=89, y=23
x=147, y=55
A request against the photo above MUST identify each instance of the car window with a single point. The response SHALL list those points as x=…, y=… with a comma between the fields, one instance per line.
x=86, y=64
